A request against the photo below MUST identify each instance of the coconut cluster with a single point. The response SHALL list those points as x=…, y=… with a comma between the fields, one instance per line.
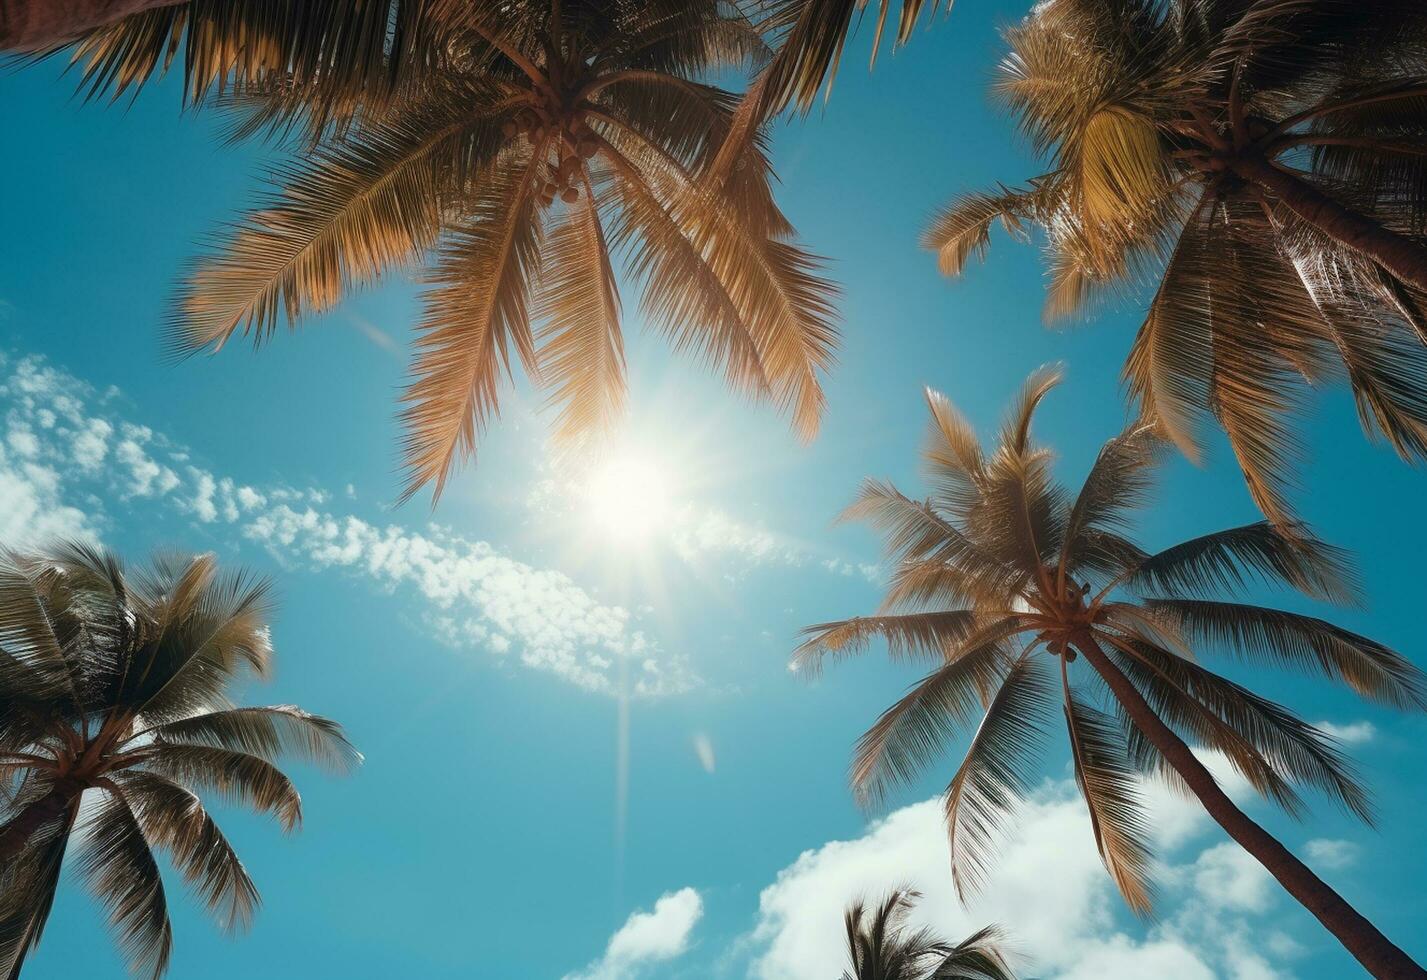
x=573, y=142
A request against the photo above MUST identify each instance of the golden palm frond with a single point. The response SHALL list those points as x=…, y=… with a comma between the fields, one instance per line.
x=582, y=353
x=916, y=728
x=1290, y=639
x=477, y=311
x=1225, y=561
x=923, y=635
x=1263, y=741
x=996, y=772
x=1106, y=778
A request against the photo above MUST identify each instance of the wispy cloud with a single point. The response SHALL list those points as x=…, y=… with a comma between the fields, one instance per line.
x=67, y=449
x=695, y=531
x=648, y=938
x=1353, y=733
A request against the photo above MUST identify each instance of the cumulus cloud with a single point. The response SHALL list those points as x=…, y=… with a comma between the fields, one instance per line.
x=1048, y=888
x=66, y=448
x=648, y=938
x=1331, y=855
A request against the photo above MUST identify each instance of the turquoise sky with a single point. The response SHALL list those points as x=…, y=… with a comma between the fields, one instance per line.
x=476, y=652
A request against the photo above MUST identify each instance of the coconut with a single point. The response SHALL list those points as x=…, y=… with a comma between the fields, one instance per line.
x=570, y=195
x=587, y=148
x=569, y=166
x=507, y=129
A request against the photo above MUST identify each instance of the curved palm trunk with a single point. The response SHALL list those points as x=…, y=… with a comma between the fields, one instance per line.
x=17, y=832
x=1378, y=955
x=1400, y=255
x=33, y=25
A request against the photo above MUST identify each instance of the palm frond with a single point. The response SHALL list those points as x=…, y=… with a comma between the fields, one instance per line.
x=174, y=819
x=236, y=776
x=961, y=231
x=581, y=351
x=952, y=456
x=1226, y=561
x=996, y=772
x=344, y=51
x=909, y=734
x=1264, y=741
x=1108, y=782
x=925, y=635
x=351, y=212
x=120, y=869
x=1292, y=640
x=977, y=957
x=1120, y=480
x=268, y=733
x=1015, y=436
x=211, y=626
x=476, y=312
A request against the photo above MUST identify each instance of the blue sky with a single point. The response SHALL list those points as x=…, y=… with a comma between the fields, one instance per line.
x=476, y=652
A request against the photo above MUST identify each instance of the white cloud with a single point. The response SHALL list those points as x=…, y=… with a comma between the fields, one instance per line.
x=1331, y=855
x=476, y=594
x=647, y=938
x=701, y=531
x=147, y=477
x=31, y=509
x=1226, y=876
x=66, y=449
x=872, y=573
x=1048, y=889
x=1354, y=733
x=91, y=444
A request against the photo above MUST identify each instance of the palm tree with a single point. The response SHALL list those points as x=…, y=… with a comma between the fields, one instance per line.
x=1264, y=159
x=547, y=139
x=1004, y=580
x=113, y=693
x=879, y=947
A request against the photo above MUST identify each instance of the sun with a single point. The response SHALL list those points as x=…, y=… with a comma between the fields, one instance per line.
x=629, y=497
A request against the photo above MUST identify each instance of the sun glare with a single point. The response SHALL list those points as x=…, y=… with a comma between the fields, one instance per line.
x=628, y=497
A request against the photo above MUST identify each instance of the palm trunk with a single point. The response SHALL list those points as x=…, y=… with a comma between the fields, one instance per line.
x=18, y=831
x=34, y=25
x=1404, y=258
x=1378, y=955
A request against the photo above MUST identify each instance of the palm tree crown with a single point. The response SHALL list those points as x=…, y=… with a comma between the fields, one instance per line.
x=1002, y=577
x=112, y=686
x=544, y=139
x=880, y=947
x=1264, y=160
